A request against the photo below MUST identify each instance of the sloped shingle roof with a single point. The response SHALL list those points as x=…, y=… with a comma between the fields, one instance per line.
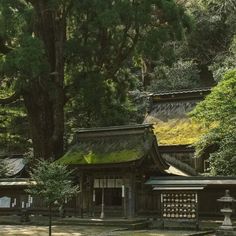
x=110, y=145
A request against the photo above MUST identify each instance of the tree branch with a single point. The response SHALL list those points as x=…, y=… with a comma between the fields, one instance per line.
x=123, y=53
x=14, y=97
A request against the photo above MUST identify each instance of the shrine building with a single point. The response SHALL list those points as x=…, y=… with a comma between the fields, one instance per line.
x=142, y=170
x=112, y=165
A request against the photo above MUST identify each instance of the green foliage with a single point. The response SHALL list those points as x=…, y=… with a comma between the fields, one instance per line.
x=223, y=98
x=52, y=182
x=224, y=61
x=223, y=162
x=19, y=62
x=104, y=28
x=181, y=75
x=14, y=134
x=14, y=130
x=102, y=51
x=83, y=51
x=212, y=33
x=209, y=43
x=15, y=18
x=110, y=46
x=24, y=64
x=218, y=113
x=103, y=105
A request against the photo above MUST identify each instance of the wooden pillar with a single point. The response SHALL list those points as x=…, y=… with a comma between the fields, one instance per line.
x=128, y=195
x=103, y=199
x=124, y=196
x=123, y=200
x=91, y=207
x=197, y=210
x=81, y=195
x=129, y=201
x=131, y=196
x=94, y=201
x=77, y=204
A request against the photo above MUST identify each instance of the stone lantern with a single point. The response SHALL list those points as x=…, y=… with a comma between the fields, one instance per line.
x=227, y=227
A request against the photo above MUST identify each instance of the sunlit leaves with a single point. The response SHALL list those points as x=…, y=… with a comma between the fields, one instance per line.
x=181, y=75
x=220, y=105
x=27, y=61
x=105, y=37
x=219, y=108
x=52, y=182
x=14, y=135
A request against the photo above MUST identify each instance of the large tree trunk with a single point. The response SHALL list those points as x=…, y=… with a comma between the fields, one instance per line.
x=45, y=100
x=42, y=119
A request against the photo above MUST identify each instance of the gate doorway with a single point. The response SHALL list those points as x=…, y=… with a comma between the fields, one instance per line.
x=112, y=197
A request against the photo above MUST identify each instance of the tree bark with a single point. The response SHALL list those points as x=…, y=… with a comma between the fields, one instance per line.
x=39, y=109
x=45, y=99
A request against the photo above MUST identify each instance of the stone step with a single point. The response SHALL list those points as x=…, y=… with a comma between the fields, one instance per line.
x=124, y=223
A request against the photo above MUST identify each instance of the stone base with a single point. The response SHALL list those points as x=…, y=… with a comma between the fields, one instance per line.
x=227, y=227
x=221, y=232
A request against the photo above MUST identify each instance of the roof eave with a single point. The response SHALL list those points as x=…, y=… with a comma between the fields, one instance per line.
x=107, y=165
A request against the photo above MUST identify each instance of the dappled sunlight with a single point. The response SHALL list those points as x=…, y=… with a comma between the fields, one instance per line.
x=23, y=230
x=40, y=231
x=154, y=233
x=26, y=230
x=63, y=234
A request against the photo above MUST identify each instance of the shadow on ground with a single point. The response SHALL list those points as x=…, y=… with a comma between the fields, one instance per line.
x=19, y=230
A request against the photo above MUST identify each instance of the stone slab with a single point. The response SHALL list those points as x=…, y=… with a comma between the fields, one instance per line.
x=225, y=232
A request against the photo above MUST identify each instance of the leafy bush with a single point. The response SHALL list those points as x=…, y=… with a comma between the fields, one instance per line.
x=224, y=62
x=181, y=75
x=219, y=108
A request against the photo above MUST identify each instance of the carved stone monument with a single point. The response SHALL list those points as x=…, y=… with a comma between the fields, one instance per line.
x=226, y=229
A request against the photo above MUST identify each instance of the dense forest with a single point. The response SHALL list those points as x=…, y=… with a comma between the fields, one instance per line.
x=71, y=64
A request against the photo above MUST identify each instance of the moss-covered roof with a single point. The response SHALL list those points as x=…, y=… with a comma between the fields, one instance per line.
x=177, y=131
x=109, y=146
x=169, y=114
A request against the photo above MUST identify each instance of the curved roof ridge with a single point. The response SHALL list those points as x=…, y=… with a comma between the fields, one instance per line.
x=180, y=91
x=111, y=128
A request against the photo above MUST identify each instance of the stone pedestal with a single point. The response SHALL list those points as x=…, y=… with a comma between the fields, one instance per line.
x=226, y=229
x=225, y=232
x=227, y=223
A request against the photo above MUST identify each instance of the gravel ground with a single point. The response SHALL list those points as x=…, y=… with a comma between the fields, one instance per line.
x=16, y=230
